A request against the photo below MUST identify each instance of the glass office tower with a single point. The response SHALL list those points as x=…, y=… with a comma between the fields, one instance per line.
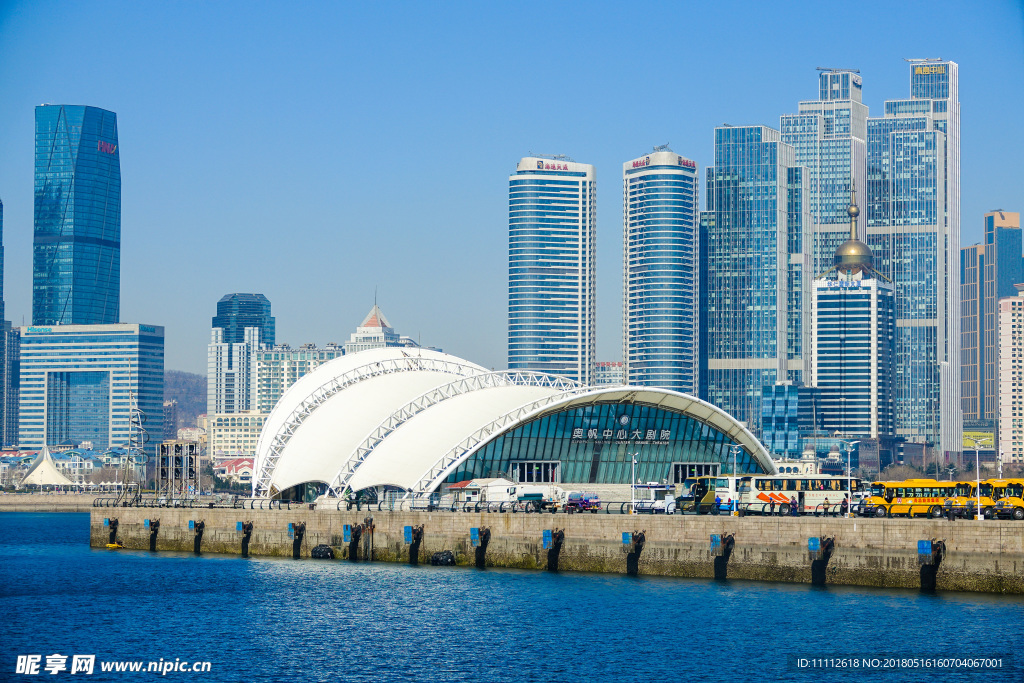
x=235, y=312
x=756, y=284
x=913, y=227
x=552, y=225
x=76, y=264
x=659, y=247
x=829, y=135
x=76, y=381
x=988, y=272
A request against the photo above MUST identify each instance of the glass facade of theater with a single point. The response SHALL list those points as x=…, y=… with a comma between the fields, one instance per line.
x=913, y=228
x=829, y=138
x=76, y=265
x=660, y=341
x=551, y=268
x=76, y=382
x=595, y=444
x=756, y=280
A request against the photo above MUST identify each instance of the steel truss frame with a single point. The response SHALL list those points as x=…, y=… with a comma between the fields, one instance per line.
x=324, y=392
x=339, y=484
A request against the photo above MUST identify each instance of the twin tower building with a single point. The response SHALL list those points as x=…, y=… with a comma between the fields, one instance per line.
x=722, y=303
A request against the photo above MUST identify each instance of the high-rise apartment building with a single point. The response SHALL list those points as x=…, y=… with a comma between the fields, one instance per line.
x=659, y=271
x=829, y=135
x=77, y=382
x=76, y=264
x=280, y=367
x=231, y=372
x=988, y=272
x=756, y=281
x=1011, y=377
x=913, y=227
x=237, y=335
x=551, y=267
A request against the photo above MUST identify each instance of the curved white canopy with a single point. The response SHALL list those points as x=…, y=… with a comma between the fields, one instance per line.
x=328, y=412
x=408, y=418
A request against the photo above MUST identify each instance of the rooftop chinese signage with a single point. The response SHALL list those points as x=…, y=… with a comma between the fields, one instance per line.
x=937, y=69
x=551, y=166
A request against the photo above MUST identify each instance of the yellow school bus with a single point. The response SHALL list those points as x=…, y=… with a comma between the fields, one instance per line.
x=1009, y=497
x=913, y=497
x=967, y=497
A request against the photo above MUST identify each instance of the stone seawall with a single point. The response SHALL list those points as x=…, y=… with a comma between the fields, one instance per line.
x=983, y=556
x=46, y=502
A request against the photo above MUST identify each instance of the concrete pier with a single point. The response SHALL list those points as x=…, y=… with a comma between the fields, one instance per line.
x=983, y=556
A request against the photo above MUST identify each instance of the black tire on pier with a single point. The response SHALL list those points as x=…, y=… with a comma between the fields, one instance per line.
x=879, y=511
x=1017, y=514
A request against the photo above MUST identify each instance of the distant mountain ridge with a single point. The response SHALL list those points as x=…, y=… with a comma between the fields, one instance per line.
x=189, y=390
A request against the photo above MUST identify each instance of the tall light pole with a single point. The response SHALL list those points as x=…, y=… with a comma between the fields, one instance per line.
x=735, y=448
x=977, y=464
x=632, y=483
x=849, y=473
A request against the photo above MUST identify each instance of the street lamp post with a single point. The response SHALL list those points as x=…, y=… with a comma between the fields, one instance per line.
x=977, y=471
x=849, y=473
x=735, y=448
x=632, y=483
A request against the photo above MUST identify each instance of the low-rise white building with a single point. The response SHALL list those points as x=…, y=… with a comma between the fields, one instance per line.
x=235, y=434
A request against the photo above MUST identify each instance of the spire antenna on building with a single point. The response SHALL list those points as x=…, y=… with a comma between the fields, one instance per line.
x=853, y=256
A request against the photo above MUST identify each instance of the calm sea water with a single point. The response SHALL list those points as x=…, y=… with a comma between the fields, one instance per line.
x=287, y=620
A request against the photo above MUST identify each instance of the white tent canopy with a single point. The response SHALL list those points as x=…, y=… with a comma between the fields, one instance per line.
x=44, y=472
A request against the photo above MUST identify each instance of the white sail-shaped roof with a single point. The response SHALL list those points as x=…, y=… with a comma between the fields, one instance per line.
x=44, y=472
x=409, y=418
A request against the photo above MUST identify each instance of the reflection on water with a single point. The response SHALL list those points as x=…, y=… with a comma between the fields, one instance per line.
x=271, y=619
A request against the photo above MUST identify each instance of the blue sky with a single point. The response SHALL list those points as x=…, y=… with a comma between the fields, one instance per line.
x=315, y=153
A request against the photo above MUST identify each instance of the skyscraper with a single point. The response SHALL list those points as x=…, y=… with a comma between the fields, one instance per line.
x=235, y=312
x=854, y=343
x=829, y=135
x=659, y=271
x=551, y=267
x=237, y=335
x=756, y=280
x=8, y=361
x=988, y=272
x=76, y=264
x=913, y=227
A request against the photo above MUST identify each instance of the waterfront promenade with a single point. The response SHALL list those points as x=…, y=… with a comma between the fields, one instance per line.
x=985, y=556
x=46, y=502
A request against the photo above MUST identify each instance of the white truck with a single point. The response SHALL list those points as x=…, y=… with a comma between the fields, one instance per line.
x=655, y=498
